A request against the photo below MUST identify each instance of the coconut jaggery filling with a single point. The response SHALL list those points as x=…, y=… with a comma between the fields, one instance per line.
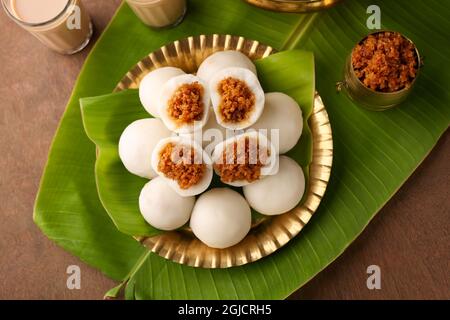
x=186, y=104
x=242, y=161
x=238, y=100
x=180, y=163
x=385, y=62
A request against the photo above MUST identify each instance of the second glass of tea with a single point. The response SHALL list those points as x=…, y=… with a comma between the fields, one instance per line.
x=159, y=13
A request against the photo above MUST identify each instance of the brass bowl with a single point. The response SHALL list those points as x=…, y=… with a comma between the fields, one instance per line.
x=271, y=233
x=294, y=5
x=369, y=98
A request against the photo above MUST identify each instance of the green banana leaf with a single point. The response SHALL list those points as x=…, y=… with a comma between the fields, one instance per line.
x=374, y=152
x=105, y=117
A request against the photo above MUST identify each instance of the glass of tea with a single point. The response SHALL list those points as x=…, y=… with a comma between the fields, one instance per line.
x=61, y=25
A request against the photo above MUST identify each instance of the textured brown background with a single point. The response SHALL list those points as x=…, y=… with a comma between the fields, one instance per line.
x=409, y=239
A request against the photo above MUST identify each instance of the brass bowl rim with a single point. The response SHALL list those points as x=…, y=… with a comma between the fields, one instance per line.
x=301, y=1
x=418, y=57
x=282, y=228
x=294, y=6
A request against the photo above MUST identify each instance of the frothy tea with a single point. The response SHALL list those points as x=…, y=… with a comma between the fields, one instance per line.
x=62, y=25
x=32, y=11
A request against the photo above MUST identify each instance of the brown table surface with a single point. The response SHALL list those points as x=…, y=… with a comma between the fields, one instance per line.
x=409, y=238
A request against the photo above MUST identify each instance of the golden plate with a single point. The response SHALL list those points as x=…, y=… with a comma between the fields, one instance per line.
x=294, y=5
x=273, y=232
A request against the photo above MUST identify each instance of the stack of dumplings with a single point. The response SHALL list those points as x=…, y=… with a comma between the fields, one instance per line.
x=221, y=122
